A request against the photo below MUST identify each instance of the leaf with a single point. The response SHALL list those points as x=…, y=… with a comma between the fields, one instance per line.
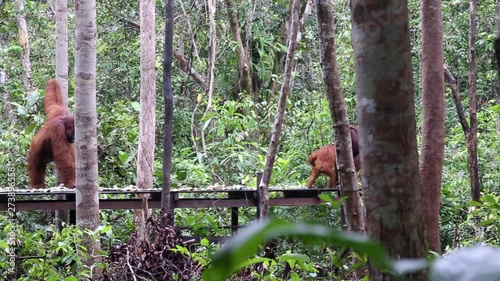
x=336, y=203
x=241, y=247
x=15, y=49
x=136, y=106
x=409, y=265
x=205, y=125
x=29, y=128
x=295, y=257
x=205, y=242
x=3, y=244
x=71, y=278
x=295, y=276
x=474, y=204
x=122, y=156
x=480, y=263
x=254, y=260
x=489, y=199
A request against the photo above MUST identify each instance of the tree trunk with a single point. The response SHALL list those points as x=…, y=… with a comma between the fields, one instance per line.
x=168, y=114
x=497, y=50
x=433, y=128
x=211, y=65
x=286, y=88
x=389, y=157
x=347, y=173
x=62, y=66
x=62, y=63
x=25, y=44
x=87, y=190
x=244, y=66
x=279, y=60
x=147, y=117
x=6, y=98
x=457, y=100
x=472, y=136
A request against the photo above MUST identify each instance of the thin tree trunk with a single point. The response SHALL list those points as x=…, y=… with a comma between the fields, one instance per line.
x=433, y=128
x=244, y=66
x=6, y=98
x=194, y=45
x=25, y=45
x=211, y=64
x=286, y=88
x=62, y=70
x=457, y=100
x=147, y=117
x=353, y=209
x=62, y=63
x=168, y=114
x=279, y=61
x=497, y=50
x=87, y=190
x=472, y=138
x=389, y=156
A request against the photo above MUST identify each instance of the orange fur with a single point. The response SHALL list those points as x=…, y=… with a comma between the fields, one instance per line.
x=54, y=141
x=324, y=161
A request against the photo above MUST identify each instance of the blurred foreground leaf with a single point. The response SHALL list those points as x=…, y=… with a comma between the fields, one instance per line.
x=481, y=263
x=243, y=246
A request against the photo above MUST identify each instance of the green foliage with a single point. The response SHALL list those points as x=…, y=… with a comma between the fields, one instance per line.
x=48, y=254
x=234, y=254
x=119, y=132
x=200, y=255
x=482, y=222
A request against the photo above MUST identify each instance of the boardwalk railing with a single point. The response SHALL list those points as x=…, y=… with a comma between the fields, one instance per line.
x=121, y=199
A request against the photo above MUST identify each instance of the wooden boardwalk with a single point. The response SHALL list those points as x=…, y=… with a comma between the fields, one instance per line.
x=121, y=199
x=233, y=198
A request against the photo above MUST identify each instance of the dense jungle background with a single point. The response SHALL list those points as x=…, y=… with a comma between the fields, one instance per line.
x=227, y=146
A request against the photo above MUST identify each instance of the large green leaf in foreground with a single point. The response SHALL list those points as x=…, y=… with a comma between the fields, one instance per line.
x=243, y=246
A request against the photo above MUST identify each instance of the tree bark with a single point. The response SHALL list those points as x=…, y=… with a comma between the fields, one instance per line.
x=353, y=209
x=168, y=114
x=279, y=61
x=87, y=190
x=211, y=64
x=286, y=88
x=147, y=117
x=472, y=138
x=433, y=128
x=62, y=62
x=6, y=98
x=457, y=100
x=25, y=45
x=244, y=66
x=62, y=70
x=389, y=157
x=497, y=50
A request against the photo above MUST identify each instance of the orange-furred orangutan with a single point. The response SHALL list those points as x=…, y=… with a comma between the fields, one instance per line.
x=324, y=160
x=54, y=142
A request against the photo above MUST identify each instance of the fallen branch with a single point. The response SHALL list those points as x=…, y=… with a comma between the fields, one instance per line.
x=130, y=266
